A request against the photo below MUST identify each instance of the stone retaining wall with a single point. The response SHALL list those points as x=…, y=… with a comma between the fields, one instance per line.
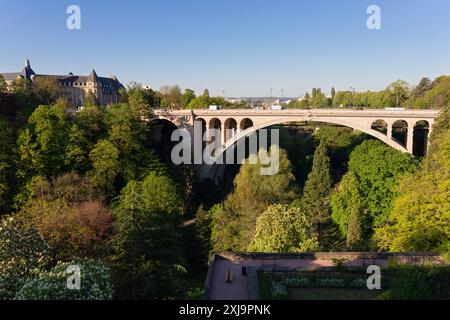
x=401, y=258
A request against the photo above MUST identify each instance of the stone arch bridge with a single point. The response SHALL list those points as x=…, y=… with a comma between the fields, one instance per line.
x=378, y=123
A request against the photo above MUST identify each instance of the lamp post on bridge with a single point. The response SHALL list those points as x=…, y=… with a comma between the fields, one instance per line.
x=353, y=97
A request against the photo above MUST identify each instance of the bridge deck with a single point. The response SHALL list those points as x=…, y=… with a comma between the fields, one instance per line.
x=425, y=113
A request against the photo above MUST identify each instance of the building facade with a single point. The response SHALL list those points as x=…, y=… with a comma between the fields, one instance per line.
x=74, y=87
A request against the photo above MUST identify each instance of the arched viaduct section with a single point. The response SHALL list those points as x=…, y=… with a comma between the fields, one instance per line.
x=245, y=122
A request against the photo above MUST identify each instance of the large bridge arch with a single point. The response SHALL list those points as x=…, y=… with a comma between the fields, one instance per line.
x=378, y=123
x=338, y=121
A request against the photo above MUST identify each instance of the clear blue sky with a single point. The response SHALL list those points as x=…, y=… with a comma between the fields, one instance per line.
x=243, y=47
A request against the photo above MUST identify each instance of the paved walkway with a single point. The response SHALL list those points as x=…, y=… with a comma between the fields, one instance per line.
x=237, y=290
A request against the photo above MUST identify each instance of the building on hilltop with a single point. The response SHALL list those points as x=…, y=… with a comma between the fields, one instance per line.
x=75, y=88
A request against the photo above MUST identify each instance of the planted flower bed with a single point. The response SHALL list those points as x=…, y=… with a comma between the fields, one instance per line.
x=280, y=283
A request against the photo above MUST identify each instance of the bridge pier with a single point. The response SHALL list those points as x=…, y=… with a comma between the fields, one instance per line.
x=410, y=138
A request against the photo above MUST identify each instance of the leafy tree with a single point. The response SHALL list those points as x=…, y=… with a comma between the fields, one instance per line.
x=105, y=166
x=316, y=193
x=23, y=252
x=52, y=285
x=423, y=86
x=141, y=100
x=90, y=122
x=284, y=229
x=47, y=89
x=71, y=230
x=129, y=135
x=340, y=142
x=43, y=143
x=90, y=100
x=378, y=169
x=318, y=100
x=25, y=96
x=147, y=255
x=355, y=229
x=8, y=107
x=347, y=201
x=234, y=226
x=420, y=217
x=187, y=98
x=7, y=164
x=201, y=102
x=77, y=151
x=203, y=228
x=399, y=91
x=3, y=85
x=300, y=147
x=170, y=97
x=434, y=96
x=424, y=282
x=69, y=187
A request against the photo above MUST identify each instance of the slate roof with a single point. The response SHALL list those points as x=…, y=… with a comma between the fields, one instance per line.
x=28, y=73
x=10, y=76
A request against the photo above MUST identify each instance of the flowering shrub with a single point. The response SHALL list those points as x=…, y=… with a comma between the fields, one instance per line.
x=330, y=282
x=52, y=285
x=279, y=289
x=281, y=285
x=359, y=283
x=23, y=252
x=296, y=282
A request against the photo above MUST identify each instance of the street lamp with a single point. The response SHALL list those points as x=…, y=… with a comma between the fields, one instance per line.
x=353, y=97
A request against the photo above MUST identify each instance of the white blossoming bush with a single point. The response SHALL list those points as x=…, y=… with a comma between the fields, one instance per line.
x=359, y=283
x=23, y=253
x=330, y=282
x=279, y=290
x=52, y=285
x=296, y=282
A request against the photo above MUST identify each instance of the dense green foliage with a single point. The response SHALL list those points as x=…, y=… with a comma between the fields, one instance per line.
x=348, y=210
x=147, y=251
x=419, y=283
x=95, y=283
x=60, y=173
x=316, y=193
x=234, y=226
x=403, y=282
x=93, y=185
x=420, y=217
x=378, y=169
x=284, y=229
x=23, y=252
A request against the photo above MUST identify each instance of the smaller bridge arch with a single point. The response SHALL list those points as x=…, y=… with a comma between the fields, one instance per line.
x=402, y=133
x=215, y=123
x=421, y=132
x=381, y=126
x=245, y=124
x=231, y=127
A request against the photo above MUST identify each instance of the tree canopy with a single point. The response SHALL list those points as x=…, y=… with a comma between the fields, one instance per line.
x=283, y=228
